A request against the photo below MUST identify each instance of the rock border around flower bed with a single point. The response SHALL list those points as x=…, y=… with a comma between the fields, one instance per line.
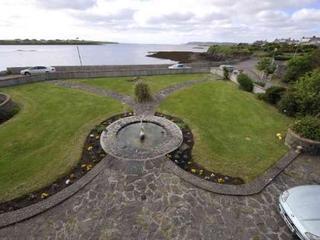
x=251, y=188
x=180, y=163
x=182, y=157
x=293, y=140
x=8, y=108
x=89, y=166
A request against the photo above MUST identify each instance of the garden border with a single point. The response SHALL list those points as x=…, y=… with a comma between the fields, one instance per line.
x=22, y=214
x=6, y=97
x=251, y=188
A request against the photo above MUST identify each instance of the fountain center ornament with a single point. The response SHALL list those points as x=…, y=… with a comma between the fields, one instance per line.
x=141, y=134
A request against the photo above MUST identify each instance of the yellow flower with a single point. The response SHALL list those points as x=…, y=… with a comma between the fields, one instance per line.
x=201, y=172
x=220, y=180
x=90, y=148
x=83, y=165
x=44, y=195
x=193, y=170
x=89, y=166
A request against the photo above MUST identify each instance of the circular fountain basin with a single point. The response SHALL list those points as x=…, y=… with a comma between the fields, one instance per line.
x=122, y=138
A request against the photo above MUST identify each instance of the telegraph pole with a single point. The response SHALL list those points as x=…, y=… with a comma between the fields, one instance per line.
x=79, y=55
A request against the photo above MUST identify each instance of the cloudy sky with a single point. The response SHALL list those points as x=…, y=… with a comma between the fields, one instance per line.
x=159, y=21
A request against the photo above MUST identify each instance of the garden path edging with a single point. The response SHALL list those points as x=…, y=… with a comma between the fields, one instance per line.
x=22, y=214
x=251, y=188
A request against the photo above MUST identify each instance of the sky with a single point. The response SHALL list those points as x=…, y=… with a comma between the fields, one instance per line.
x=159, y=21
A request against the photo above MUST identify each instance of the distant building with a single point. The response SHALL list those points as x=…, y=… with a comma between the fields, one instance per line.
x=311, y=40
x=260, y=43
x=286, y=40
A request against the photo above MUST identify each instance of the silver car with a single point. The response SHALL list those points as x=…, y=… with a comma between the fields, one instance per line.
x=37, y=70
x=300, y=209
x=179, y=66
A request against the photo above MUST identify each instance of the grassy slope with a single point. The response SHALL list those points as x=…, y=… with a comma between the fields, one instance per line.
x=156, y=83
x=45, y=139
x=235, y=133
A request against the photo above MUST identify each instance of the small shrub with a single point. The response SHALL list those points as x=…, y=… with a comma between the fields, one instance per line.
x=308, y=127
x=288, y=104
x=274, y=94
x=225, y=73
x=245, y=82
x=260, y=96
x=142, y=92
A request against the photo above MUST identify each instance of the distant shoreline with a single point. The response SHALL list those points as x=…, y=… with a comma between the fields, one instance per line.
x=52, y=42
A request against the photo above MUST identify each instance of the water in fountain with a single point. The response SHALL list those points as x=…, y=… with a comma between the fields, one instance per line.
x=141, y=135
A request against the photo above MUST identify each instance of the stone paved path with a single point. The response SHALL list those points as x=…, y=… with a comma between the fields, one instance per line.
x=145, y=200
x=149, y=202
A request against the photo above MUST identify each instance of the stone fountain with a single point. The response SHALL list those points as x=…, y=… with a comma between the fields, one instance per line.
x=141, y=138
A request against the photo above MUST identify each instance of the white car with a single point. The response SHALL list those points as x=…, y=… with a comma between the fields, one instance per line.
x=178, y=66
x=300, y=209
x=37, y=70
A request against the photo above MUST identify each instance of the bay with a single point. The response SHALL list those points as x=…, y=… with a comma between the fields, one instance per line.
x=106, y=54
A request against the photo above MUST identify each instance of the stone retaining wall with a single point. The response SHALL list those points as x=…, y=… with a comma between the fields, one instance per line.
x=293, y=140
x=7, y=107
x=120, y=71
x=234, y=78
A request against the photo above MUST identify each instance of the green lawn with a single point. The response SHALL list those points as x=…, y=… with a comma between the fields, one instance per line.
x=125, y=86
x=44, y=140
x=235, y=133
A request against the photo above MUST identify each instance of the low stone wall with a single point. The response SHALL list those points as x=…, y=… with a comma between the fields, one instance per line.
x=7, y=107
x=293, y=140
x=139, y=70
x=112, y=68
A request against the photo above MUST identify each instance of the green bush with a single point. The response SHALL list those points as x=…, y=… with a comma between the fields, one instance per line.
x=245, y=83
x=225, y=73
x=274, y=94
x=300, y=65
x=303, y=97
x=288, y=104
x=297, y=67
x=308, y=127
x=307, y=92
x=260, y=96
x=142, y=92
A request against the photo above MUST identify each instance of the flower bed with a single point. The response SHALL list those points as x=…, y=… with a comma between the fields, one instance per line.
x=7, y=108
x=293, y=140
x=183, y=157
x=92, y=153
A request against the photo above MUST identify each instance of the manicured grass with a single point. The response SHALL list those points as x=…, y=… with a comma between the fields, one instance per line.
x=235, y=133
x=44, y=140
x=156, y=83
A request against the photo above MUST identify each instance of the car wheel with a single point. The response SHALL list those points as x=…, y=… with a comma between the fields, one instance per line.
x=27, y=74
